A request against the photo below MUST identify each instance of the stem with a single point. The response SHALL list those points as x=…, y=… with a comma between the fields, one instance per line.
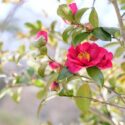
x=120, y=21
x=101, y=116
x=93, y=3
x=96, y=100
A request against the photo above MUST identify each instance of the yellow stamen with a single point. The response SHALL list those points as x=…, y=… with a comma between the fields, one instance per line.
x=84, y=55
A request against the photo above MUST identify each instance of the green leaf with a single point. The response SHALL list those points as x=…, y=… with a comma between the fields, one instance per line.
x=41, y=69
x=93, y=18
x=119, y=51
x=96, y=74
x=64, y=74
x=123, y=66
x=79, y=14
x=64, y=92
x=16, y=95
x=101, y=34
x=30, y=26
x=64, y=11
x=39, y=83
x=111, y=30
x=80, y=37
x=1, y=46
x=39, y=43
x=21, y=49
x=39, y=24
x=30, y=71
x=40, y=94
x=111, y=44
x=82, y=101
x=52, y=26
x=66, y=33
x=43, y=50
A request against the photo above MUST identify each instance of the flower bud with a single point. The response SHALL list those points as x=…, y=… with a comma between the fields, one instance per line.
x=42, y=34
x=54, y=65
x=54, y=86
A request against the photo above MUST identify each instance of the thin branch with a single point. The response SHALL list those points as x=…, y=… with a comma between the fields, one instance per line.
x=96, y=100
x=120, y=21
x=101, y=116
x=93, y=3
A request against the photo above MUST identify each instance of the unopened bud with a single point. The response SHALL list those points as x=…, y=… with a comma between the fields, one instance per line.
x=54, y=86
x=89, y=27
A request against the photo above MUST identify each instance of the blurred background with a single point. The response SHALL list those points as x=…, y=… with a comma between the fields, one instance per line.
x=13, y=16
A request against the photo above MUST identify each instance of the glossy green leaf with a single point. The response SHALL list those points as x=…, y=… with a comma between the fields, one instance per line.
x=96, y=74
x=64, y=74
x=93, y=18
x=64, y=11
x=79, y=14
x=111, y=30
x=80, y=37
x=66, y=33
x=101, y=34
x=82, y=97
x=119, y=51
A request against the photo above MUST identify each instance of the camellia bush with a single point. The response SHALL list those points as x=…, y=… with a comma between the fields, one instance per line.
x=91, y=74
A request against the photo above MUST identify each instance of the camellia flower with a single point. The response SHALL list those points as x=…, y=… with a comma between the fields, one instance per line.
x=54, y=86
x=88, y=55
x=54, y=65
x=43, y=34
x=73, y=8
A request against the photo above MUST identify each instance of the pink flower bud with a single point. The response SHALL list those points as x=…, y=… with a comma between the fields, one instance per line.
x=54, y=86
x=54, y=65
x=43, y=34
x=73, y=8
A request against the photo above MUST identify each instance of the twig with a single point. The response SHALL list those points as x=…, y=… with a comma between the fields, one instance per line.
x=96, y=100
x=120, y=21
x=93, y=3
x=101, y=116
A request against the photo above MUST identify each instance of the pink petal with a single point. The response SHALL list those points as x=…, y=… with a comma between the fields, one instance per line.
x=43, y=34
x=73, y=8
x=54, y=65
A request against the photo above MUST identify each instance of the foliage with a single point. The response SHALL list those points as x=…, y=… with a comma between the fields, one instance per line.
x=91, y=83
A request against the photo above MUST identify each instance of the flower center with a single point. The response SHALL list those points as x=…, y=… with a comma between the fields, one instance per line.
x=84, y=55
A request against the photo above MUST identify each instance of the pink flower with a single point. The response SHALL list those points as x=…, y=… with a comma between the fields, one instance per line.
x=43, y=34
x=54, y=86
x=54, y=65
x=88, y=55
x=73, y=8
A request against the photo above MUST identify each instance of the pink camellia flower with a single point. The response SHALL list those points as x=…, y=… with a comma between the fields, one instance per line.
x=73, y=8
x=88, y=55
x=54, y=65
x=54, y=86
x=43, y=34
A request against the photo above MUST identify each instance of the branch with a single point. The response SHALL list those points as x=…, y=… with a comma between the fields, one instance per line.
x=96, y=100
x=101, y=116
x=120, y=21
